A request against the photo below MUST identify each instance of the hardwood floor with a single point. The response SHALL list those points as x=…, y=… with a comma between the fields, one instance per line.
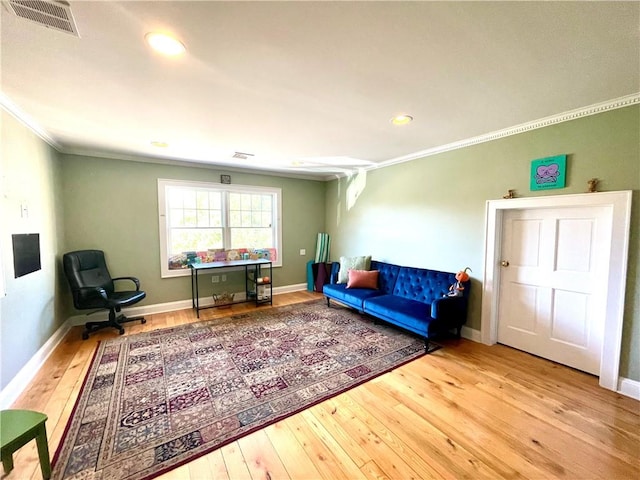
x=465, y=411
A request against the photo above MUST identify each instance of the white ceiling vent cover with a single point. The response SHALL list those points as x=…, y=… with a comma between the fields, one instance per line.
x=242, y=155
x=54, y=14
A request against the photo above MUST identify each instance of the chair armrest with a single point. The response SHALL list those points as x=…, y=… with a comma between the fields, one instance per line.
x=449, y=307
x=87, y=291
x=133, y=279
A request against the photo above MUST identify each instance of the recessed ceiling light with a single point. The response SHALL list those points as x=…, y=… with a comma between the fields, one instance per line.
x=165, y=44
x=401, y=119
x=159, y=144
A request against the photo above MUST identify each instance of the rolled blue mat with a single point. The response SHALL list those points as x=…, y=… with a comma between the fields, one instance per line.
x=310, y=280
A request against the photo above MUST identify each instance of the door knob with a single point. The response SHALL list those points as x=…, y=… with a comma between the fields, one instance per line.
x=504, y=263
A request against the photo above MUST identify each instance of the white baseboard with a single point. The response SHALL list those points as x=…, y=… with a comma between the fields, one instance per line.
x=141, y=311
x=289, y=288
x=173, y=306
x=14, y=389
x=471, y=334
x=628, y=387
x=16, y=386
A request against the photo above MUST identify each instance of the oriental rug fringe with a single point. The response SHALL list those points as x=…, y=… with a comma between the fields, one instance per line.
x=156, y=400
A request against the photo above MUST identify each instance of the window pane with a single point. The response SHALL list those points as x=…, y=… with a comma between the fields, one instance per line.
x=266, y=203
x=189, y=199
x=203, y=218
x=175, y=217
x=194, y=239
x=256, y=219
x=175, y=198
x=215, y=218
x=215, y=200
x=235, y=219
x=266, y=219
x=251, y=238
x=190, y=219
x=246, y=201
x=234, y=201
x=202, y=200
x=256, y=202
x=246, y=219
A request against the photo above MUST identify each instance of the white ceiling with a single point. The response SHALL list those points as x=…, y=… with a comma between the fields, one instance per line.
x=309, y=87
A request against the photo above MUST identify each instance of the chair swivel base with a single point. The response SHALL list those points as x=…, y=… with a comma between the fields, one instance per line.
x=91, y=327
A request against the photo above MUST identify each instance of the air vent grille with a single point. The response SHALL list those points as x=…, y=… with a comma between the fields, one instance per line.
x=48, y=13
x=242, y=156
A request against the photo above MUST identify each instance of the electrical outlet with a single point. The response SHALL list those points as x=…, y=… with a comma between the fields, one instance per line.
x=303, y=251
x=215, y=279
x=224, y=278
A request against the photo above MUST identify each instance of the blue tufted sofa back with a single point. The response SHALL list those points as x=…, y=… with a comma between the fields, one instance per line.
x=422, y=285
x=387, y=277
x=417, y=284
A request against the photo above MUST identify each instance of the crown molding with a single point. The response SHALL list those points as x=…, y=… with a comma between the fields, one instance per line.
x=177, y=162
x=594, y=109
x=27, y=121
x=620, y=102
x=32, y=125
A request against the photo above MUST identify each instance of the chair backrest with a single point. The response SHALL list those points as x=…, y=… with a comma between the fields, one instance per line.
x=87, y=268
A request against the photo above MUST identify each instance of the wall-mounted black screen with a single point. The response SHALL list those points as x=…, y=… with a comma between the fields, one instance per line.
x=26, y=253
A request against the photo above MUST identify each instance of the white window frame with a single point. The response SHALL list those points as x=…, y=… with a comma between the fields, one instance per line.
x=250, y=189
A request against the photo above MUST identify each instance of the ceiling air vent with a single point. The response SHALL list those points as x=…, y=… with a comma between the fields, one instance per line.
x=54, y=14
x=242, y=156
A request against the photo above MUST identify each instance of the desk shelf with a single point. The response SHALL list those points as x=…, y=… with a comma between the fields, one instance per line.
x=259, y=292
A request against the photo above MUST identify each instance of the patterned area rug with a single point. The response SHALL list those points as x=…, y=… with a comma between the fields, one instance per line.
x=156, y=400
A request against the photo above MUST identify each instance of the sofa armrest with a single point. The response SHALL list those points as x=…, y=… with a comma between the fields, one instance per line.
x=449, y=308
x=335, y=269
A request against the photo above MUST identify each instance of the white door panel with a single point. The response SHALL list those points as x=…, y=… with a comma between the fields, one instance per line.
x=527, y=234
x=553, y=291
x=569, y=318
x=572, y=256
x=523, y=318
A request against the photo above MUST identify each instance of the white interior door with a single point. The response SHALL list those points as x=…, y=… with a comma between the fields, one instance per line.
x=553, y=283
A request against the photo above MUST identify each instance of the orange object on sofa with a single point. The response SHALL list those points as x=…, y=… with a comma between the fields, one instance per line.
x=363, y=279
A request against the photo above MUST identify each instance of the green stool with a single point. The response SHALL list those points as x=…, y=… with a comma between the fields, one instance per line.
x=17, y=428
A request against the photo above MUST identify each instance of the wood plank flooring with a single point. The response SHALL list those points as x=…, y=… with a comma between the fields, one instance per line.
x=465, y=411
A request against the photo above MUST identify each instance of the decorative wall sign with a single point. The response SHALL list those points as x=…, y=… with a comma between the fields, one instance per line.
x=225, y=179
x=548, y=173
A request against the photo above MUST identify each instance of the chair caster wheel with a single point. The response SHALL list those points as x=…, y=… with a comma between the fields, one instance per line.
x=121, y=331
x=85, y=335
x=144, y=320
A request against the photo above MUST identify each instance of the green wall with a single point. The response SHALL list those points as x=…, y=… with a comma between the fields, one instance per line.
x=112, y=205
x=33, y=308
x=430, y=212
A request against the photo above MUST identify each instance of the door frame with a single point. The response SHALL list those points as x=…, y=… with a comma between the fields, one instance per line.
x=620, y=205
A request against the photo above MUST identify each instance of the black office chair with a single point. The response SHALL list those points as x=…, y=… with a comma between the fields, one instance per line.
x=93, y=288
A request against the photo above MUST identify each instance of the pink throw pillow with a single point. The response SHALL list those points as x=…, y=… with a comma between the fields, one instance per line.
x=363, y=279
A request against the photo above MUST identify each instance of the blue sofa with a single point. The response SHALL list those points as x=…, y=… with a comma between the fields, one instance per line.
x=411, y=298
